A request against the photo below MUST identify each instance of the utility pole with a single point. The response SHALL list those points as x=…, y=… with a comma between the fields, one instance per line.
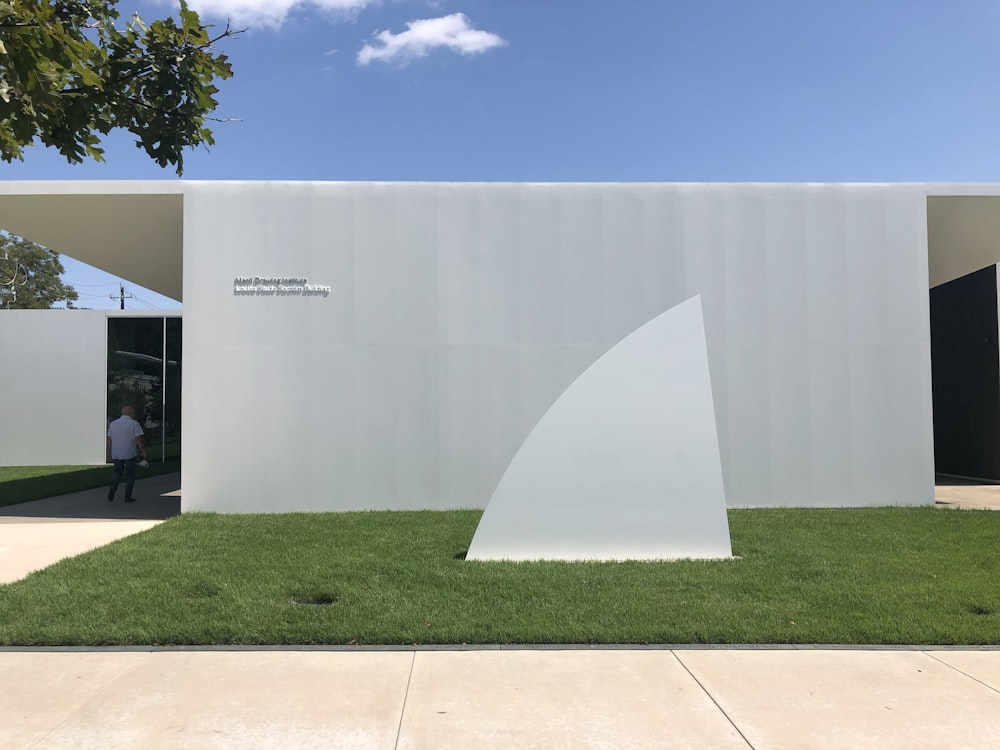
x=121, y=295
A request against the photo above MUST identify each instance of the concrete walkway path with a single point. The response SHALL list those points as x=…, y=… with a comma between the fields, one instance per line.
x=967, y=494
x=496, y=698
x=467, y=698
x=37, y=534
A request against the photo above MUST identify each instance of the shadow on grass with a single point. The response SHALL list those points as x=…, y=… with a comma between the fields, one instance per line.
x=35, y=488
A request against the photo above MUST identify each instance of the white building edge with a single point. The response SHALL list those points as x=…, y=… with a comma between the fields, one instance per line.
x=417, y=333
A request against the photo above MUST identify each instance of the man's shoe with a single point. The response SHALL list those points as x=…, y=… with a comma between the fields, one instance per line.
x=129, y=499
x=111, y=497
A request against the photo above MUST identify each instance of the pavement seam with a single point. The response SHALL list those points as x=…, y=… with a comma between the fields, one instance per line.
x=966, y=674
x=406, y=695
x=715, y=702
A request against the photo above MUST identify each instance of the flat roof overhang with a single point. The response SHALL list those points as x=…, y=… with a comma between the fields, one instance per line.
x=135, y=229
x=132, y=230
x=963, y=235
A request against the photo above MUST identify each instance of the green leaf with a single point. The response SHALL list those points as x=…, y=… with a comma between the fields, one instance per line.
x=73, y=77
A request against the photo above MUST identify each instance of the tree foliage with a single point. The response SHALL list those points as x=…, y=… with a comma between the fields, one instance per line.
x=69, y=75
x=29, y=276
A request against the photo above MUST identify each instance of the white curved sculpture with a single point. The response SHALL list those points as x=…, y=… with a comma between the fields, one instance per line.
x=625, y=464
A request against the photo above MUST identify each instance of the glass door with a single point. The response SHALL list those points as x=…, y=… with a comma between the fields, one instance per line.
x=144, y=356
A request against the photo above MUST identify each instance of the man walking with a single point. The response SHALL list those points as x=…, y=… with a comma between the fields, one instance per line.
x=124, y=442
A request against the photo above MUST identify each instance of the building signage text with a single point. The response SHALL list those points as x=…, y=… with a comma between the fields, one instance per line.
x=277, y=286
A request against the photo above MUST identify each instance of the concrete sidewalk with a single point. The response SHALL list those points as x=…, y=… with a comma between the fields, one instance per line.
x=468, y=698
x=966, y=494
x=531, y=698
x=37, y=534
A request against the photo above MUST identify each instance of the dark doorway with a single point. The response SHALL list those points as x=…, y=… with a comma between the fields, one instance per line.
x=965, y=367
x=144, y=371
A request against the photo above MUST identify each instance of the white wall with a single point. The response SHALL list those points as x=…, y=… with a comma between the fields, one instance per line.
x=459, y=313
x=53, y=387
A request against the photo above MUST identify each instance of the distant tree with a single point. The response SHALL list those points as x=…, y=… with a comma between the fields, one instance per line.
x=29, y=276
x=69, y=75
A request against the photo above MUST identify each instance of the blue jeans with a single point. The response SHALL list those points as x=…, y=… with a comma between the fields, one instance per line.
x=124, y=466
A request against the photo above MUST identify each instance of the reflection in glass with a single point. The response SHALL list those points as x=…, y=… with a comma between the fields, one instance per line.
x=144, y=372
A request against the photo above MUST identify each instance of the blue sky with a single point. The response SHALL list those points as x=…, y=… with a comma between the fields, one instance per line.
x=586, y=90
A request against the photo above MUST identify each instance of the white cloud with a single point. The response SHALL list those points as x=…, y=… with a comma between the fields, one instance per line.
x=272, y=13
x=451, y=32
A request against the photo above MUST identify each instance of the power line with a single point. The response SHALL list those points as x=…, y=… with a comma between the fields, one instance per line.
x=150, y=305
x=73, y=283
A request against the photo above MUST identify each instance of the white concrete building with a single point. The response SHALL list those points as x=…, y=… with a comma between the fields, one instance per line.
x=393, y=345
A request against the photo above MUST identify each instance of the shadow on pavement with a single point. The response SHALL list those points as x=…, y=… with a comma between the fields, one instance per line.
x=157, y=498
x=947, y=480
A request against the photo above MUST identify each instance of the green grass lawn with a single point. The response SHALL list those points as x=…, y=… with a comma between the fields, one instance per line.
x=19, y=484
x=868, y=576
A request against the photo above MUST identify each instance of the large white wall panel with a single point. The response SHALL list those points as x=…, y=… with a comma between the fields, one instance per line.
x=822, y=313
x=53, y=386
x=446, y=336
x=458, y=314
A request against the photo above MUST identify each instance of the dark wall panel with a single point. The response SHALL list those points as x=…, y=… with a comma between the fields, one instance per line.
x=965, y=365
